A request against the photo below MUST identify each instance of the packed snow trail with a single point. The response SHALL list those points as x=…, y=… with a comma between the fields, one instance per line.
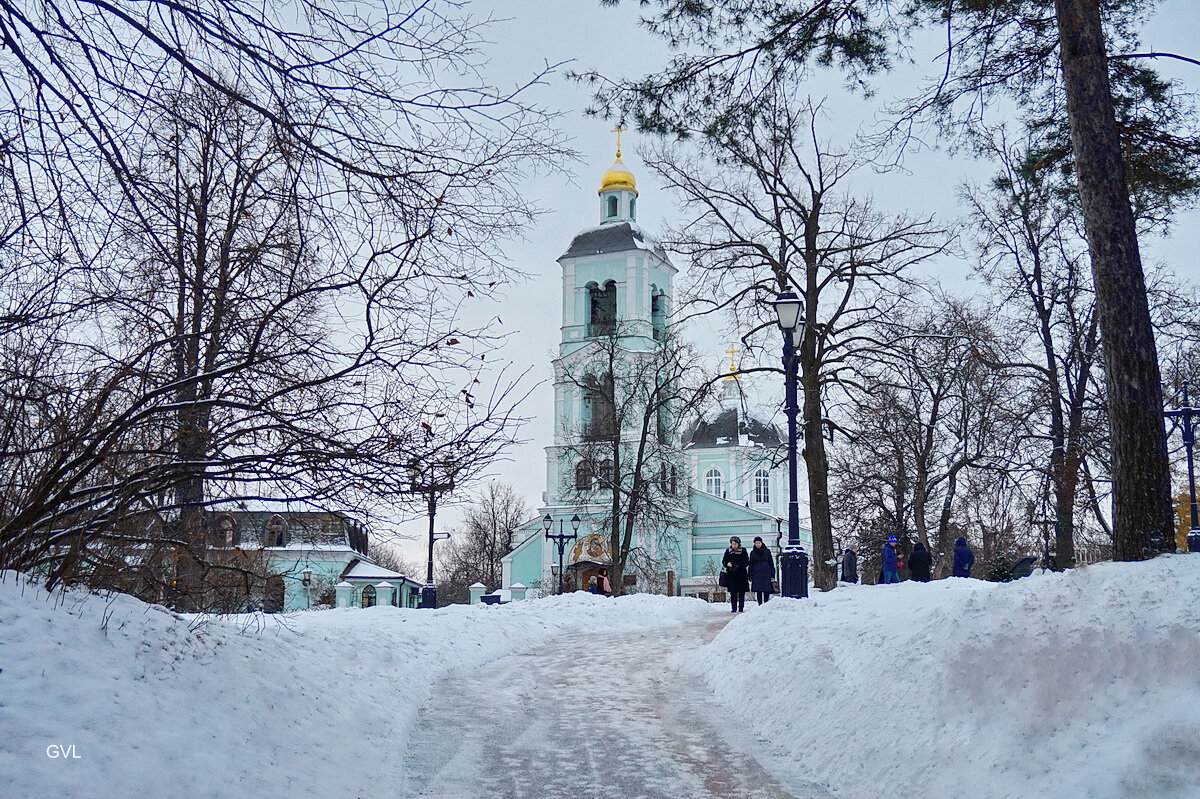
x=590, y=715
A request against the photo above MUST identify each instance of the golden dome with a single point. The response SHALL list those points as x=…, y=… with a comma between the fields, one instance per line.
x=618, y=177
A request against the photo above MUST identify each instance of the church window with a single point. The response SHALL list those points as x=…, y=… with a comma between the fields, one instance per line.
x=275, y=532
x=227, y=530
x=762, y=487
x=666, y=479
x=712, y=481
x=600, y=417
x=612, y=207
x=602, y=318
x=632, y=208
x=583, y=476
x=605, y=474
x=368, y=596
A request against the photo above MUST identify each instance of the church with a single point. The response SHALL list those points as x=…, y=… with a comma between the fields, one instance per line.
x=716, y=476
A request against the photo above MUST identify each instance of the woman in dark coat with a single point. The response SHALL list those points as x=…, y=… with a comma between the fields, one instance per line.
x=919, y=563
x=964, y=558
x=762, y=570
x=736, y=562
x=850, y=565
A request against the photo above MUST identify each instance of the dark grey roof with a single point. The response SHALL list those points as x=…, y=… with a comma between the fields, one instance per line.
x=728, y=428
x=615, y=237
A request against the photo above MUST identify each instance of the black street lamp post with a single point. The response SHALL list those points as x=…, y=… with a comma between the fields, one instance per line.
x=1187, y=417
x=424, y=481
x=306, y=581
x=561, y=540
x=793, y=563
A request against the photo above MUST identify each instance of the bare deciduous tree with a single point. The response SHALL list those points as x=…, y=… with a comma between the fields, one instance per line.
x=770, y=215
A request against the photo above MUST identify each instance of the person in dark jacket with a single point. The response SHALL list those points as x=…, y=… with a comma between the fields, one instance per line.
x=762, y=571
x=736, y=563
x=891, y=562
x=850, y=565
x=919, y=563
x=964, y=558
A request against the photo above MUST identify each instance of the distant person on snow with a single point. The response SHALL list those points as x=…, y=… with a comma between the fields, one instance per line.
x=850, y=565
x=736, y=563
x=891, y=561
x=964, y=558
x=593, y=585
x=762, y=570
x=919, y=563
x=602, y=582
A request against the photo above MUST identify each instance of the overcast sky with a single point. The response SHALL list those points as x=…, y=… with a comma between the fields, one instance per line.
x=531, y=33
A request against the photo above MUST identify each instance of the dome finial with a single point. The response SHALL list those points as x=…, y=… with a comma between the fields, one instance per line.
x=619, y=129
x=732, y=352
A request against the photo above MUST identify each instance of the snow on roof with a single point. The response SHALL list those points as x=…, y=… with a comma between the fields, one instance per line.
x=370, y=571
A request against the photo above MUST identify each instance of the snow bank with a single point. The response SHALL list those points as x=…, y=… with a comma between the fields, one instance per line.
x=157, y=703
x=1083, y=684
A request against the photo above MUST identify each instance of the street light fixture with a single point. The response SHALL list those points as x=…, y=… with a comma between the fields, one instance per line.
x=423, y=479
x=1187, y=416
x=306, y=581
x=561, y=540
x=793, y=564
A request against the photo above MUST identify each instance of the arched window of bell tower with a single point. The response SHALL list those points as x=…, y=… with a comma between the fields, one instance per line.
x=612, y=206
x=602, y=316
x=658, y=314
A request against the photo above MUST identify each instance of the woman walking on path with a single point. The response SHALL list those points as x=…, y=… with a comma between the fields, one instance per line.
x=737, y=583
x=762, y=570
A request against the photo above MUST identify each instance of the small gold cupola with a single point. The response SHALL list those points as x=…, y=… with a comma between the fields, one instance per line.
x=618, y=189
x=618, y=177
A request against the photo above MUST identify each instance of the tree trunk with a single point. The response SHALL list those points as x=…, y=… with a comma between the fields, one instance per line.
x=816, y=462
x=1141, y=482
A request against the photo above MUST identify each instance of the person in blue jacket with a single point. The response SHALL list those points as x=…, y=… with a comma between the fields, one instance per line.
x=964, y=558
x=891, y=561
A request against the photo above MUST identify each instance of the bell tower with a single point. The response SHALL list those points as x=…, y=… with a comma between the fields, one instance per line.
x=616, y=283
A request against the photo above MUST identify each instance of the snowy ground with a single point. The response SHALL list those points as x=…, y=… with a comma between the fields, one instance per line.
x=1085, y=684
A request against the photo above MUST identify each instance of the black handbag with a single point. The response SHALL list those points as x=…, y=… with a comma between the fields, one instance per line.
x=723, y=579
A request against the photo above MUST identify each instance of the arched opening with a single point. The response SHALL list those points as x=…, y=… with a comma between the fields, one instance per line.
x=666, y=479
x=602, y=316
x=612, y=206
x=633, y=208
x=658, y=315
x=762, y=487
x=275, y=532
x=583, y=476
x=368, y=596
x=604, y=476
x=599, y=409
x=712, y=482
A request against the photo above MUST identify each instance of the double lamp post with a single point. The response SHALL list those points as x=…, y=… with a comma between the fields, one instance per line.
x=561, y=540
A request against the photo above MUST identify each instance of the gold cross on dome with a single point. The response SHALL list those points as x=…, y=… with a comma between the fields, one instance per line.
x=619, y=129
x=732, y=352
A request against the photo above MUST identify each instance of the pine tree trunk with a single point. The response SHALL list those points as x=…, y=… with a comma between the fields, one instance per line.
x=1141, y=482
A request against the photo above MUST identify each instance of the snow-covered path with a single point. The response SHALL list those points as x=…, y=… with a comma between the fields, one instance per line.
x=590, y=715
